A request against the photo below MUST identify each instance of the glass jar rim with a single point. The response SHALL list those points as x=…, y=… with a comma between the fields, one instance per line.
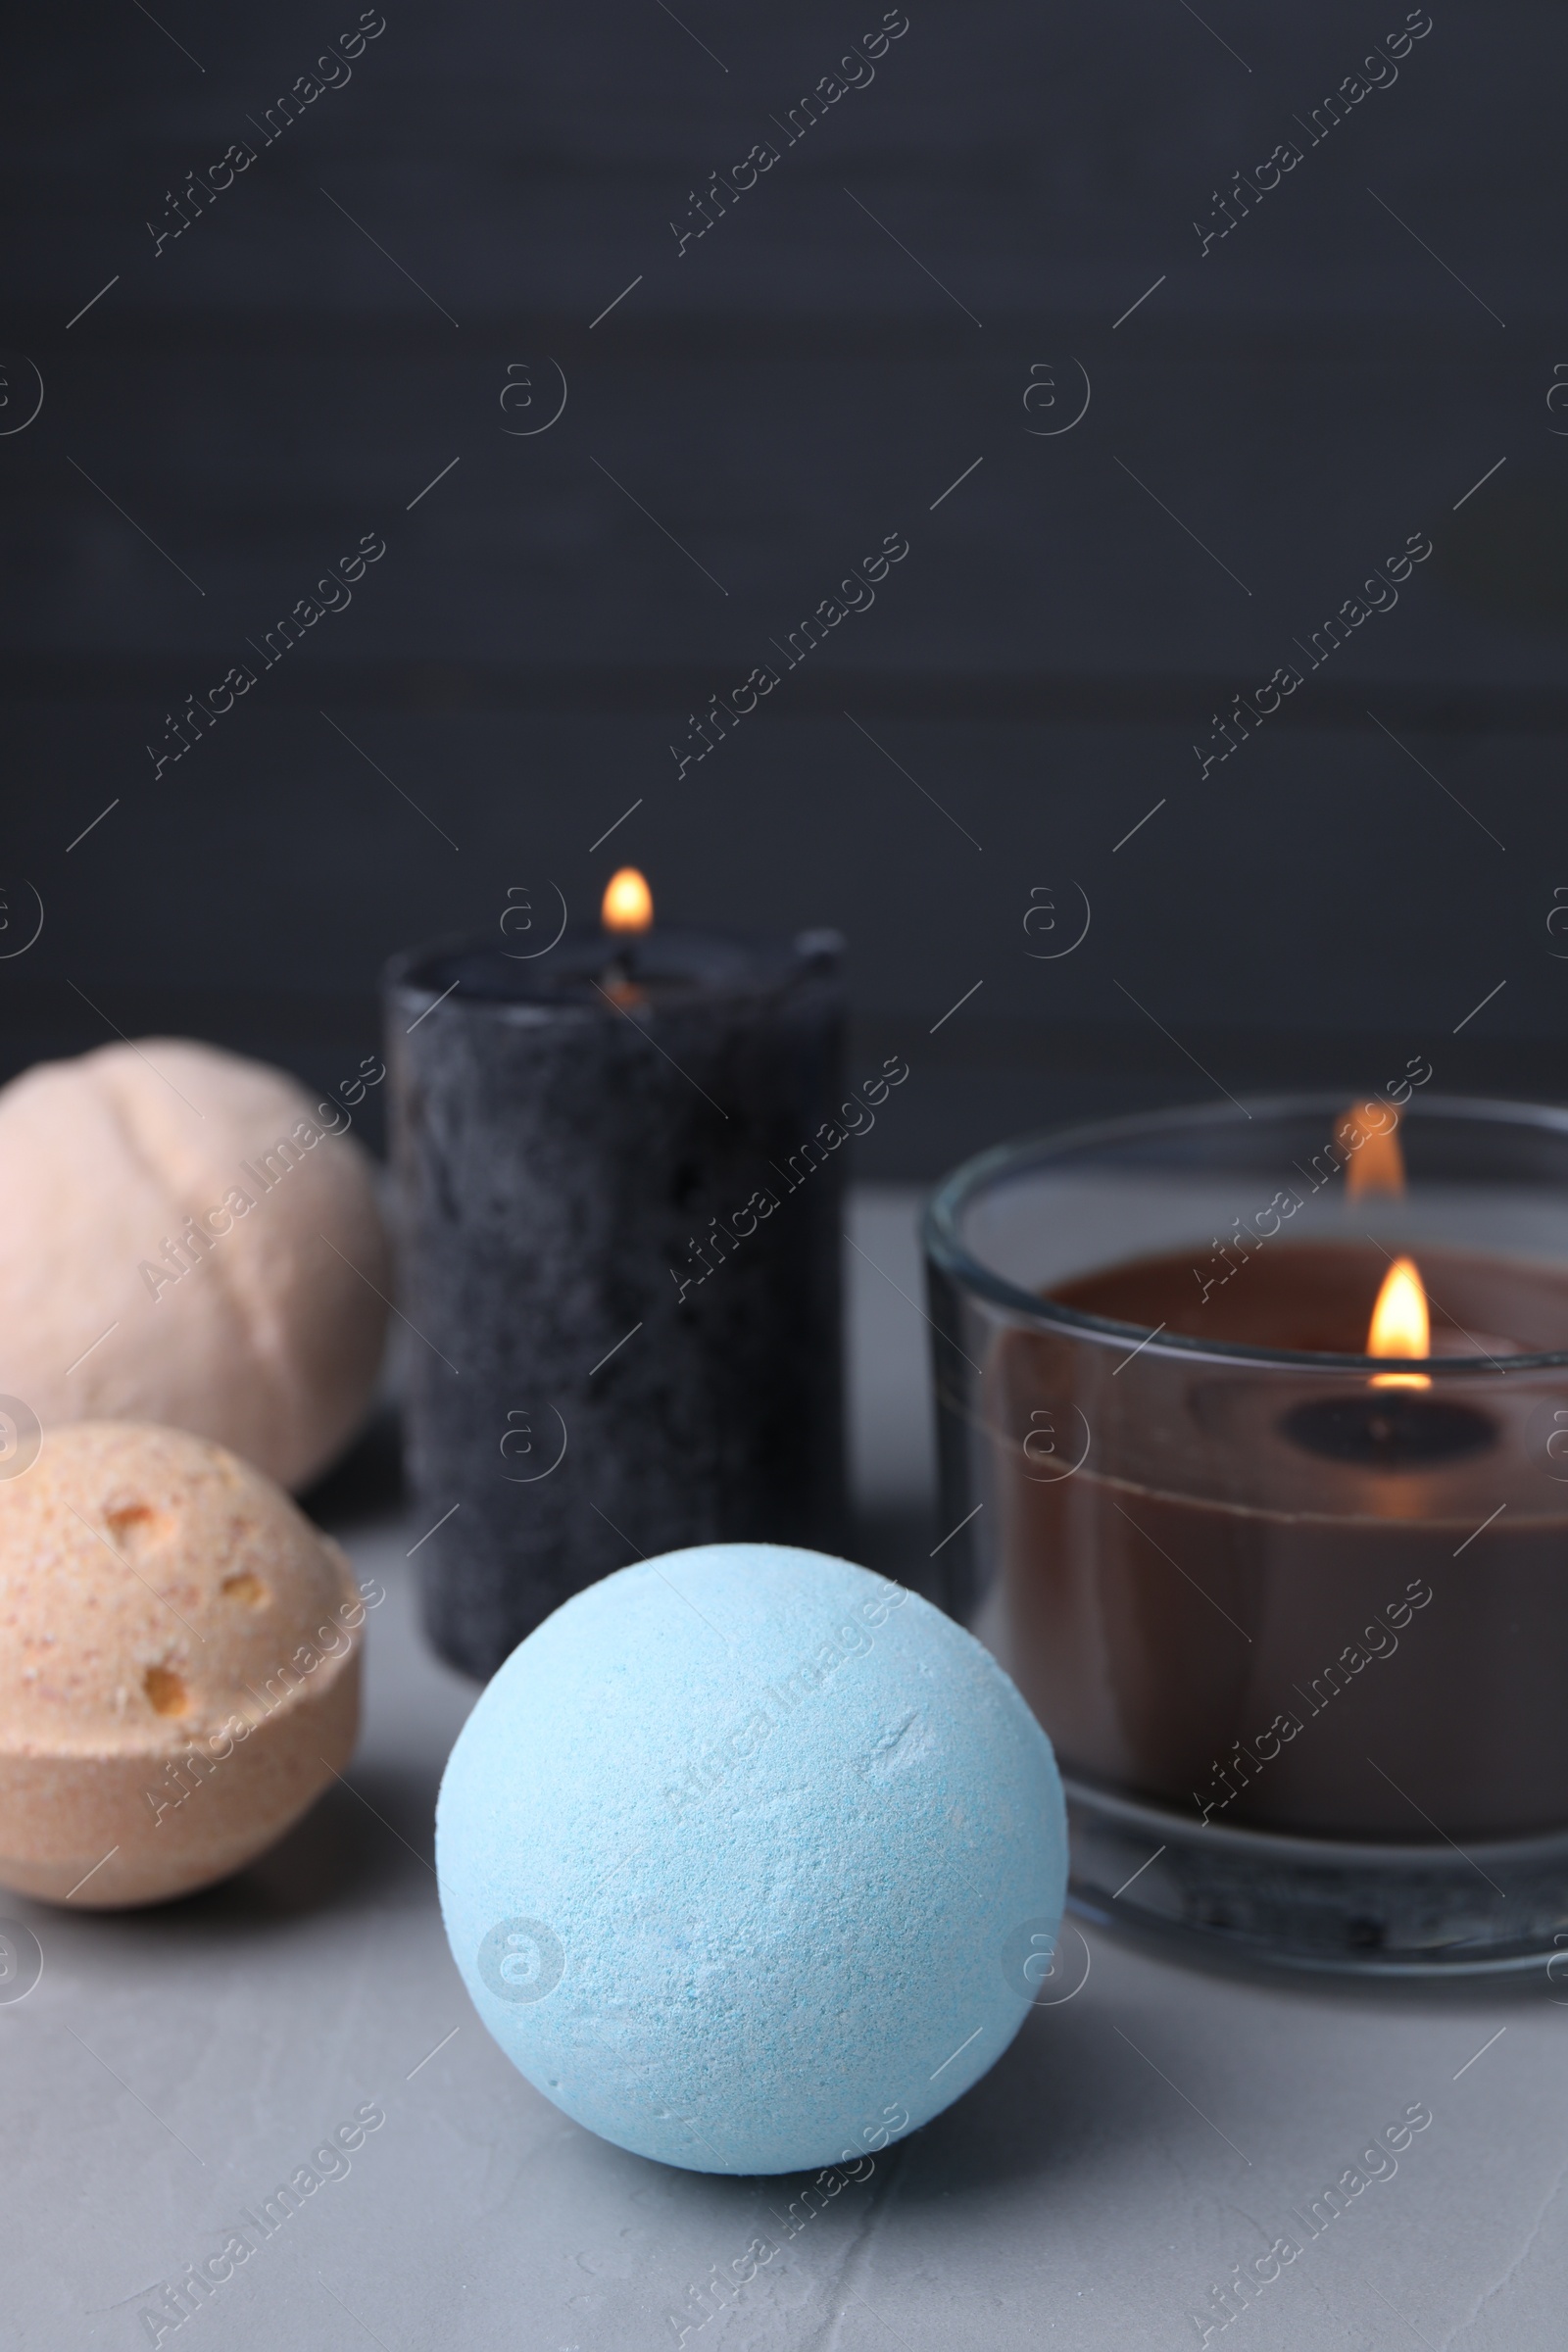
x=940, y=1225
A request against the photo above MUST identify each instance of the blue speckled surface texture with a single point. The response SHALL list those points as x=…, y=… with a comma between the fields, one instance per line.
x=738, y=1853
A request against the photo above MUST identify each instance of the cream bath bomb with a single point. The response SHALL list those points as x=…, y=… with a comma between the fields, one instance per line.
x=189, y=1238
x=179, y=1666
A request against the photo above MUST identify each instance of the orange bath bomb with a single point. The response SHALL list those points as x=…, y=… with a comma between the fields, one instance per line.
x=191, y=1238
x=179, y=1668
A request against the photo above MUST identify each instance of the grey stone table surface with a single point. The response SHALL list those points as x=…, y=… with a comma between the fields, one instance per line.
x=1158, y=2126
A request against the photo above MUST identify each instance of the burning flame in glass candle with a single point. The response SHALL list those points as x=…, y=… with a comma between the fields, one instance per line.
x=1401, y=1325
x=629, y=902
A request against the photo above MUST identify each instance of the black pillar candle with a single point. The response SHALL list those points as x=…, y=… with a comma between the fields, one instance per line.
x=619, y=1233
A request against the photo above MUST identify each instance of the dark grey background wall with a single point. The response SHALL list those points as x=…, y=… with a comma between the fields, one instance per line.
x=332, y=336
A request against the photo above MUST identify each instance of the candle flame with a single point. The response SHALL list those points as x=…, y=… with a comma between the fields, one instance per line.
x=629, y=902
x=1368, y=1135
x=1401, y=1325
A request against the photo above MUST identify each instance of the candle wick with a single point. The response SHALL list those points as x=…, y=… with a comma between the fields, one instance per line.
x=618, y=979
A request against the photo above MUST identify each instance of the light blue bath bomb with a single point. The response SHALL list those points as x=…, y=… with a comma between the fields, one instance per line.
x=747, y=1859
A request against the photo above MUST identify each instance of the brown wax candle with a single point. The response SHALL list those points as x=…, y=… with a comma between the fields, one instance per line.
x=1301, y=1599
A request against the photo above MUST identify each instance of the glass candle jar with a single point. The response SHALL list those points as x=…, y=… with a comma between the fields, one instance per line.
x=1294, y=1615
